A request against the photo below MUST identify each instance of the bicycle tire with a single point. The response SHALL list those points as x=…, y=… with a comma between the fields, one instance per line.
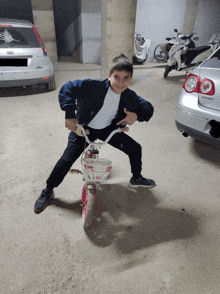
x=88, y=206
x=159, y=55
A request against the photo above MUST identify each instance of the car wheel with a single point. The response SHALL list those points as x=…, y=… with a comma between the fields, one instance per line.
x=51, y=85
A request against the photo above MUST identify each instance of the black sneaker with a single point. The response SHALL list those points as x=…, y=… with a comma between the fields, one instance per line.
x=142, y=182
x=43, y=201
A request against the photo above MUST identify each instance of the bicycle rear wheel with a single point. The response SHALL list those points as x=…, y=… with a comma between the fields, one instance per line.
x=158, y=54
x=88, y=204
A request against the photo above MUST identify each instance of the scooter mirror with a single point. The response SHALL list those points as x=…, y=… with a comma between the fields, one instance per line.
x=175, y=30
x=196, y=38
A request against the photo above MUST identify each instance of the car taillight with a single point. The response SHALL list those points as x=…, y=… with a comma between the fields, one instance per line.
x=6, y=25
x=40, y=41
x=194, y=83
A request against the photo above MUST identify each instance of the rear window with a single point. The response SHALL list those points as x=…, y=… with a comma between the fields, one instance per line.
x=18, y=37
x=214, y=61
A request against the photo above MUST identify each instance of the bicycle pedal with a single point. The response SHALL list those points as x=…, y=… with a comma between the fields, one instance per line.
x=75, y=171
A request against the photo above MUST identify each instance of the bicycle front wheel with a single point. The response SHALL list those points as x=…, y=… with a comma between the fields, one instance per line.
x=158, y=54
x=88, y=205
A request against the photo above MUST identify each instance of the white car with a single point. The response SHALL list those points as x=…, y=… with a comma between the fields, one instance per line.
x=23, y=56
x=198, y=109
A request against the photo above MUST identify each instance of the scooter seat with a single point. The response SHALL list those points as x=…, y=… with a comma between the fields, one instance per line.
x=191, y=53
x=199, y=49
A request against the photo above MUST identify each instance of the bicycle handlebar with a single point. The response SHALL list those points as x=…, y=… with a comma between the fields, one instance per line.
x=80, y=127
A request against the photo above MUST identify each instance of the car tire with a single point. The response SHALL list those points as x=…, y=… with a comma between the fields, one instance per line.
x=51, y=85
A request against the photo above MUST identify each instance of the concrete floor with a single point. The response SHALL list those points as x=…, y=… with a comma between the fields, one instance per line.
x=159, y=241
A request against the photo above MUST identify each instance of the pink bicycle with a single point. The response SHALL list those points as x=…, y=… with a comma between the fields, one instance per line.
x=95, y=171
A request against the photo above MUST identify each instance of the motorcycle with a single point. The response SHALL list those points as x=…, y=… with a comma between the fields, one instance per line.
x=161, y=51
x=141, y=48
x=184, y=51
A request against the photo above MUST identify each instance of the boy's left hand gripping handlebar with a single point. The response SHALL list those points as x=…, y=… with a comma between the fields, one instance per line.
x=80, y=131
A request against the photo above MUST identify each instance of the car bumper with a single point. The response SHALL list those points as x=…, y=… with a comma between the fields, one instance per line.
x=16, y=78
x=25, y=82
x=204, y=137
x=197, y=124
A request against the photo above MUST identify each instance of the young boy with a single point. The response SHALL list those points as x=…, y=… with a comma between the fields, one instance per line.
x=100, y=106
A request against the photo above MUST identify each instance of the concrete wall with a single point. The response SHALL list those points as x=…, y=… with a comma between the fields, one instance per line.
x=118, y=25
x=18, y=9
x=207, y=20
x=156, y=20
x=91, y=31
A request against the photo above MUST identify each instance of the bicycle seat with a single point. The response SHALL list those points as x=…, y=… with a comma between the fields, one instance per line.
x=168, y=39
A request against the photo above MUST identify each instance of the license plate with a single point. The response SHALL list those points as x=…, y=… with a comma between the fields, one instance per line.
x=14, y=62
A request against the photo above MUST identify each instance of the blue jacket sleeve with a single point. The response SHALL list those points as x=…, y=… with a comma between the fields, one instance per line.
x=145, y=110
x=68, y=95
x=140, y=106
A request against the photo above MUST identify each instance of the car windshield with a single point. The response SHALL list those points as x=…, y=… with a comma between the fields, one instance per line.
x=214, y=61
x=18, y=37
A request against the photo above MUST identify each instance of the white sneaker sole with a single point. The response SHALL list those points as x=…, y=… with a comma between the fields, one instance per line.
x=144, y=186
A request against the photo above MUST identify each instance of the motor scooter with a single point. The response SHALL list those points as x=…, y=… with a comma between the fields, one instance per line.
x=161, y=51
x=184, y=51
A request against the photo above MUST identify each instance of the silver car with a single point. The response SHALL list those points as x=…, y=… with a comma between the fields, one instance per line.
x=198, y=109
x=23, y=56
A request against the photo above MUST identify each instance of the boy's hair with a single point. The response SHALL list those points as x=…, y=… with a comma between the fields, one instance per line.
x=121, y=62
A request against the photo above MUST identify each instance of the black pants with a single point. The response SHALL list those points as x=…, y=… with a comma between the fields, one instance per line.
x=77, y=144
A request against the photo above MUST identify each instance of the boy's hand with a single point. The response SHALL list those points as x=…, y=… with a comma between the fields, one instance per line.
x=129, y=119
x=126, y=129
x=71, y=124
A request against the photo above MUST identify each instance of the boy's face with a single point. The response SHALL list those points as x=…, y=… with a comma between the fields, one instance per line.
x=119, y=80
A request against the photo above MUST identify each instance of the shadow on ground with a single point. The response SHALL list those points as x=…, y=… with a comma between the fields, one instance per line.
x=71, y=207
x=205, y=151
x=132, y=220
x=176, y=79
x=22, y=91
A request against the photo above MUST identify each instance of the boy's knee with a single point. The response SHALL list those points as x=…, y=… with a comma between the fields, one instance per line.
x=138, y=147
x=132, y=149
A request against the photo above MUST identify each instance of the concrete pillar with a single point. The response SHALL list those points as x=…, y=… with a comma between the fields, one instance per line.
x=91, y=31
x=190, y=16
x=44, y=22
x=118, y=25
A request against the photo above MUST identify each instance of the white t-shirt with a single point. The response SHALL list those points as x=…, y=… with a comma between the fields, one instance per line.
x=108, y=111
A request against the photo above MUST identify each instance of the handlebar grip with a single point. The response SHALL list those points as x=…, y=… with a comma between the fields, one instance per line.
x=79, y=130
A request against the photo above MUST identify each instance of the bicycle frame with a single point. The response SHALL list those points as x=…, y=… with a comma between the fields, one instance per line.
x=95, y=171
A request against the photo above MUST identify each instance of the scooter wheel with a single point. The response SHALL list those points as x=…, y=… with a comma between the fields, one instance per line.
x=167, y=70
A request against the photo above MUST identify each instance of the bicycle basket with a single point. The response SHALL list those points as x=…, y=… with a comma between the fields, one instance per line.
x=96, y=170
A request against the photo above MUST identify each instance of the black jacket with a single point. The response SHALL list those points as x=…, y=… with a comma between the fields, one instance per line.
x=82, y=99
